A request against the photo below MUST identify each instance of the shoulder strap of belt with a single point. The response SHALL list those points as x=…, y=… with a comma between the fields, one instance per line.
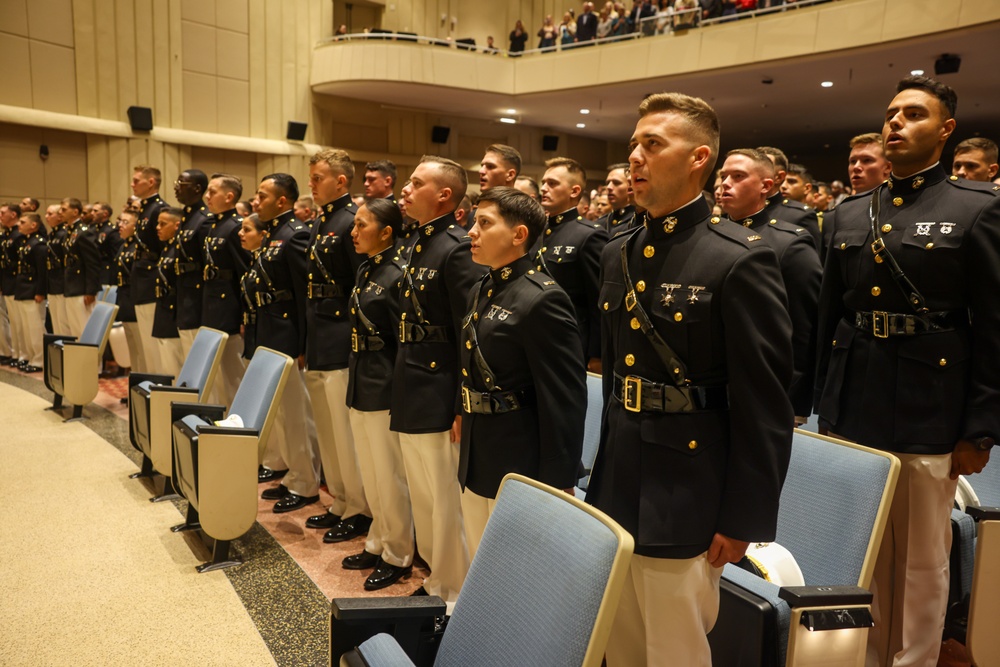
x=469, y=328
x=317, y=262
x=412, y=289
x=882, y=254
x=678, y=372
x=356, y=302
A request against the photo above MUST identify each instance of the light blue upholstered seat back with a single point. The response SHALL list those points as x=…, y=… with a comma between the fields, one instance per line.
x=97, y=323
x=987, y=483
x=592, y=426
x=828, y=508
x=194, y=372
x=260, y=382
x=535, y=586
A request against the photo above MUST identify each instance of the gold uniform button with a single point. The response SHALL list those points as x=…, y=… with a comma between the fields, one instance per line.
x=878, y=259
x=640, y=286
x=468, y=345
x=678, y=316
x=929, y=246
x=548, y=231
x=418, y=248
x=772, y=222
x=693, y=444
x=606, y=305
x=716, y=220
x=634, y=323
x=407, y=293
x=353, y=312
x=876, y=290
x=544, y=248
x=630, y=360
x=886, y=228
x=433, y=364
x=943, y=362
x=648, y=251
x=897, y=201
x=531, y=272
x=422, y=287
x=954, y=178
x=843, y=246
x=465, y=372
x=835, y=342
x=489, y=292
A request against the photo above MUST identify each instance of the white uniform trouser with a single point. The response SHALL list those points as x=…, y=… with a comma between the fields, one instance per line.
x=910, y=582
x=136, y=352
x=667, y=608
x=16, y=334
x=57, y=311
x=328, y=396
x=381, y=462
x=5, y=338
x=187, y=339
x=293, y=441
x=476, y=510
x=431, y=462
x=144, y=313
x=231, y=369
x=31, y=316
x=77, y=313
x=171, y=355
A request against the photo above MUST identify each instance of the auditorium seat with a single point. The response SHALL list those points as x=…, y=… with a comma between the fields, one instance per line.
x=834, y=507
x=151, y=394
x=108, y=294
x=72, y=365
x=591, y=431
x=215, y=466
x=984, y=605
x=542, y=590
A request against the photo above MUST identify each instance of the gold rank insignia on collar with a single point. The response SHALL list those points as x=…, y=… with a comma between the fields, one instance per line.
x=377, y=259
x=753, y=237
x=748, y=222
x=428, y=230
x=715, y=220
x=669, y=224
x=917, y=182
x=505, y=272
x=328, y=208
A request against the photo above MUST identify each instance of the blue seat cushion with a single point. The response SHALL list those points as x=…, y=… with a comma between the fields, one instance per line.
x=381, y=650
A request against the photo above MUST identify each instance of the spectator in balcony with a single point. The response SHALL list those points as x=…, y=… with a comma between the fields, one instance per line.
x=342, y=30
x=547, y=34
x=745, y=6
x=664, y=17
x=710, y=9
x=685, y=14
x=645, y=17
x=619, y=20
x=518, y=38
x=567, y=30
x=491, y=47
x=586, y=24
x=604, y=24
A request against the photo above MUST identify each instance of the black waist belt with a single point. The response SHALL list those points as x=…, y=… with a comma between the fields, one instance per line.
x=424, y=333
x=163, y=292
x=267, y=298
x=882, y=324
x=147, y=255
x=639, y=395
x=361, y=343
x=186, y=267
x=215, y=273
x=496, y=402
x=324, y=290
x=249, y=318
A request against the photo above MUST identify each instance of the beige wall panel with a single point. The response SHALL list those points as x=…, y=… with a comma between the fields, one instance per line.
x=85, y=57
x=619, y=59
x=51, y=21
x=209, y=160
x=138, y=154
x=289, y=65
x=786, y=36
x=98, y=176
x=145, y=25
x=199, y=11
x=865, y=19
x=581, y=74
x=108, y=105
x=128, y=92
x=233, y=55
x=65, y=172
x=273, y=102
x=185, y=157
x=726, y=45
x=303, y=61
x=232, y=15
x=15, y=75
x=201, y=106
x=325, y=26
x=176, y=65
x=119, y=172
x=21, y=170
x=905, y=18
x=53, y=80
x=171, y=165
x=459, y=69
x=258, y=60
x=14, y=17
x=244, y=165
x=359, y=137
x=265, y=166
x=493, y=75
x=161, y=63
x=679, y=54
x=198, y=48
x=233, y=107
x=974, y=12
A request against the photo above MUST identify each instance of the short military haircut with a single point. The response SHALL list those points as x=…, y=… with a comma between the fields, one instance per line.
x=577, y=175
x=198, y=178
x=386, y=213
x=508, y=154
x=780, y=159
x=517, y=208
x=230, y=183
x=987, y=146
x=451, y=175
x=15, y=208
x=104, y=206
x=865, y=139
x=70, y=202
x=148, y=172
x=700, y=116
x=385, y=167
x=465, y=204
x=285, y=185
x=130, y=212
x=759, y=158
x=172, y=212
x=33, y=202
x=820, y=185
x=800, y=171
x=945, y=94
x=338, y=160
x=618, y=165
x=532, y=183
x=33, y=217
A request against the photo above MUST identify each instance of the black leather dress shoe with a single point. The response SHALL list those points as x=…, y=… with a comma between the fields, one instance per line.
x=348, y=529
x=420, y=592
x=294, y=501
x=324, y=521
x=386, y=575
x=277, y=493
x=267, y=475
x=32, y=369
x=361, y=561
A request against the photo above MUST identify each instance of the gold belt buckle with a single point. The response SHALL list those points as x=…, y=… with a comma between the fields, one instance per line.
x=632, y=394
x=354, y=342
x=309, y=290
x=880, y=323
x=630, y=301
x=402, y=331
x=466, y=399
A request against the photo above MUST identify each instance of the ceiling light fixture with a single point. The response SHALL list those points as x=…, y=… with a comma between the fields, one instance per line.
x=827, y=84
x=581, y=125
x=509, y=121
x=512, y=111
x=584, y=111
x=917, y=72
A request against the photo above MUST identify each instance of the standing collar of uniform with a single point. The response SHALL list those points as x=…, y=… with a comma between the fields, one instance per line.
x=623, y=211
x=506, y=275
x=153, y=197
x=568, y=214
x=437, y=224
x=73, y=225
x=188, y=210
x=343, y=201
x=756, y=220
x=686, y=216
x=284, y=217
x=384, y=256
x=900, y=187
x=225, y=215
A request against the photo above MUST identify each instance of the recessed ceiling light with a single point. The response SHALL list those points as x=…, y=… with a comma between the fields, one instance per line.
x=509, y=121
x=581, y=125
x=584, y=111
x=827, y=84
x=917, y=72
x=511, y=111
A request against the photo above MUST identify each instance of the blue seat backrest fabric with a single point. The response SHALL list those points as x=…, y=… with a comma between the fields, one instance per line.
x=987, y=483
x=257, y=388
x=592, y=426
x=97, y=323
x=194, y=372
x=382, y=650
x=534, y=588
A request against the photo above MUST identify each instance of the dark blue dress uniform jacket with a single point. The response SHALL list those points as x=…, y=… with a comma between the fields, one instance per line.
x=225, y=264
x=56, y=263
x=32, y=273
x=122, y=275
x=281, y=272
x=189, y=244
x=144, y=270
x=83, y=261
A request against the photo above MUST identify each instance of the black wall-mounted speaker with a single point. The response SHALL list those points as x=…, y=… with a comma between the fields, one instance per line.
x=550, y=142
x=296, y=131
x=140, y=118
x=439, y=134
x=948, y=63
